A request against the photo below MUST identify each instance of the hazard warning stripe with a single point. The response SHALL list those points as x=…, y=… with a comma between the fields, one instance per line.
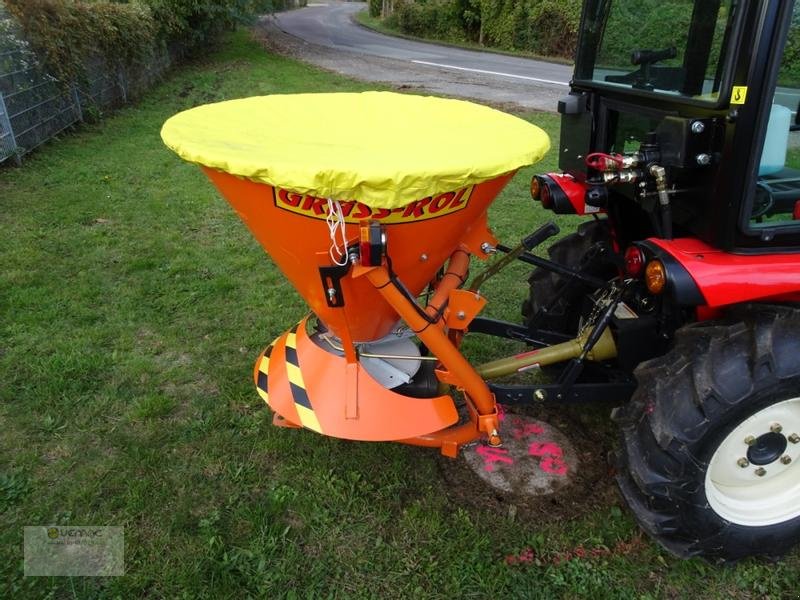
x=301, y=401
x=263, y=372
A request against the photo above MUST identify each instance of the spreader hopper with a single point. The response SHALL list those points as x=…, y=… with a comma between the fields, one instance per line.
x=371, y=205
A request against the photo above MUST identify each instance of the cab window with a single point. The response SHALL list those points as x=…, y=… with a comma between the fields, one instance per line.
x=663, y=47
x=777, y=197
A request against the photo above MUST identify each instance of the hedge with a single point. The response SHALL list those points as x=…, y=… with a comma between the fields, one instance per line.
x=547, y=27
x=66, y=33
x=550, y=27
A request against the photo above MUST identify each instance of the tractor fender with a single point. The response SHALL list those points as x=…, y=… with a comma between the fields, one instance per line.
x=701, y=275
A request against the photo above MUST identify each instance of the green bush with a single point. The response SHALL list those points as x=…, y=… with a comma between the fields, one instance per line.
x=65, y=33
x=506, y=26
x=548, y=27
x=375, y=8
x=554, y=25
x=195, y=22
x=437, y=18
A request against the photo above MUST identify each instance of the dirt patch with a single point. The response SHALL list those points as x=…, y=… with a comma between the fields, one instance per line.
x=592, y=487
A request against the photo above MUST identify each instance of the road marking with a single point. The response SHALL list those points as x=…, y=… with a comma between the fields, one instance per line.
x=433, y=64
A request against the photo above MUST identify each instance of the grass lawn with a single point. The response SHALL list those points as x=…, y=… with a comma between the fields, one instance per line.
x=133, y=305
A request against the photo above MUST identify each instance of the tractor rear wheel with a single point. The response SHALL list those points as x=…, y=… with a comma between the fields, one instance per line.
x=710, y=457
x=554, y=303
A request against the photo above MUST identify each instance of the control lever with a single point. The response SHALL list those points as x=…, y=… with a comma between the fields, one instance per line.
x=544, y=232
x=529, y=242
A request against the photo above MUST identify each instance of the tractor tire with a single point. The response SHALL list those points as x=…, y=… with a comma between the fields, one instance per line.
x=710, y=456
x=567, y=304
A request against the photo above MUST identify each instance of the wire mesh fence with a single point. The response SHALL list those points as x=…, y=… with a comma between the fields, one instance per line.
x=35, y=107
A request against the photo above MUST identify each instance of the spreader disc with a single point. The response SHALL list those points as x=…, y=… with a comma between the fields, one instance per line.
x=535, y=458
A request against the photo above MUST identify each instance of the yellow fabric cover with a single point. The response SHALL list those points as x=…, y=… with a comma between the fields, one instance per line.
x=380, y=148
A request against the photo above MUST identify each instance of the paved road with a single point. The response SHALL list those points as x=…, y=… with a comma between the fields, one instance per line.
x=515, y=79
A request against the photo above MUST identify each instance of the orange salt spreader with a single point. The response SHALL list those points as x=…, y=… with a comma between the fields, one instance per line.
x=364, y=201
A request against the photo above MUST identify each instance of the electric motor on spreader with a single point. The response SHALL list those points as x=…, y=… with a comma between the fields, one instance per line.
x=680, y=297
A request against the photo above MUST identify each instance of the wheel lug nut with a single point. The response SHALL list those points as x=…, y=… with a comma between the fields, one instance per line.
x=776, y=428
x=794, y=438
x=786, y=459
x=761, y=471
x=750, y=440
x=743, y=462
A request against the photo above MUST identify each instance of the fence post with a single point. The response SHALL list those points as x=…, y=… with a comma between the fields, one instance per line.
x=122, y=84
x=76, y=100
x=5, y=123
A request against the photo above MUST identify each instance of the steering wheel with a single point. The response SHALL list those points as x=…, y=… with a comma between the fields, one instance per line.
x=763, y=201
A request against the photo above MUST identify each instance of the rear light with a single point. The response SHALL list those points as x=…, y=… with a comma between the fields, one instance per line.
x=634, y=262
x=655, y=276
x=536, y=187
x=796, y=211
x=372, y=241
x=561, y=193
x=546, y=196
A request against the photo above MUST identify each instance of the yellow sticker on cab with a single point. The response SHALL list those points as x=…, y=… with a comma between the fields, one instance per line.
x=739, y=94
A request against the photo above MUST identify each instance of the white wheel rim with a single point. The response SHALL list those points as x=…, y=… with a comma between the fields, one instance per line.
x=743, y=493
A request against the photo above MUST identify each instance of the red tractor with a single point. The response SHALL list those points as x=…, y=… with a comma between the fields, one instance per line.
x=682, y=148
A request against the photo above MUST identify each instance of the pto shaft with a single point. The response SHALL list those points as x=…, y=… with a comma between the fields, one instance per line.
x=604, y=349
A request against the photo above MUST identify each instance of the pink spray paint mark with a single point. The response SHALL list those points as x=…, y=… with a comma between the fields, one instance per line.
x=522, y=430
x=551, y=455
x=493, y=455
x=501, y=413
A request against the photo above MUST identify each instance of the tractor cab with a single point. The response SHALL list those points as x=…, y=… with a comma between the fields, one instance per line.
x=682, y=122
